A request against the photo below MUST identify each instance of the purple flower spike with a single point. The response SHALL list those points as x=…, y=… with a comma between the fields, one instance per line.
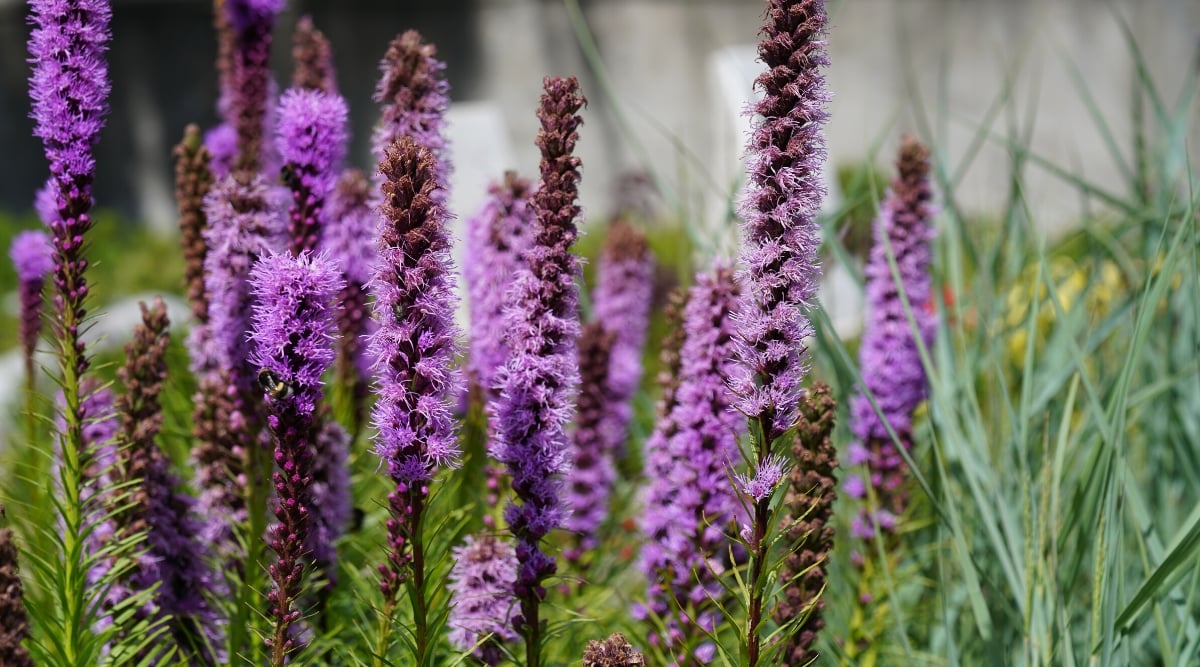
x=765, y=480
x=485, y=569
x=251, y=22
x=222, y=142
x=591, y=477
x=45, y=202
x=313, y=58
x=414, y=349
x=293, y=347
x=781, y=233
x=414, y=96
x=496, y=237
x=889, y=355
x=621, y=301
x=349, y=238
x=32, y=256
x=539, y=381
x=14, y=621
x=691, y=505
x=311, y=140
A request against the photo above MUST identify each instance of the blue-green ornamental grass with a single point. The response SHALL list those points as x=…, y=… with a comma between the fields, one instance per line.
x=1051, y=469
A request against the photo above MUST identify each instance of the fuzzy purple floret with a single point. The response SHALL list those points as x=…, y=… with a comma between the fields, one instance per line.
x=481, y=583
x=244, y=223
x=245, y=13
x=779, y=256
x=496, y=237
x=591, y=477
x=69, y=84
x=414, y=97
x=311, y=140
x=691, y=505
x=349, y=235
x=32, y=256
x=45, y=202
x=221, y=141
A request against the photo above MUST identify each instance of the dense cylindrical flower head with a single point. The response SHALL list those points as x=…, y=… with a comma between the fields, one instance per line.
x=691, y=505
x=538, y=383
x=32, y=257
x=69, y=85
x=311, y=139
x=890, y=354
x=808, y=526
x=293, y=337
x=778, y=260
x=481, y=585
x=312, y=57
x=14, y=622
x=414, y=347
x=349, y=238
x=616, y=651
x=243, y=224
x=175, y=559
x=251, y=22
x=495, y=238
x=193, y=178
x=590, y=479
x=621, y=302
x=414, y=96
x=221, y=141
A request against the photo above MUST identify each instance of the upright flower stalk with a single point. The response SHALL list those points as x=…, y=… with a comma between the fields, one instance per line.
x=592, y=473
x=808, y=528
x=251, y=23
x=33, y=258
x=349, y=238
x=311, y=140
x=621, y=303
x=779, y=259
x=690, y=505
x=414, y=96
x=69, y=87
x=890, y=354
x=495, y=238
x=539, y=381
x=293, y=347
x=175, y=558
x=193, y=178
x=414, y=351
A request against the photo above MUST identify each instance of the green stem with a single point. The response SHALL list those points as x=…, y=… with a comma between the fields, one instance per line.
x=533, y=630
x=383, y=635
x=758, y=551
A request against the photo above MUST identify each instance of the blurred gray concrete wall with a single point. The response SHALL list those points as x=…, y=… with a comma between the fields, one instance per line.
x=676, y=73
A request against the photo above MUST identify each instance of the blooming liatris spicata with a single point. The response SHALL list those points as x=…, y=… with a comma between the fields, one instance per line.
x=32, y=257
x=621, y=302
x=175, y=558
x=496, y=237
x=414, y=351
x=591, y=477
x=781, y=234
x=690, y=505
x=311, y=140
x=14, y=623
x=312, y=57
x=779, y=268
x=485, y=569
x=890, y=354
x=193, y=178
x=293, y=347
x=349, y=238
x=808, y=527
x=538, y=383
x=251, y=23
x=616, y=651
x=414, y=96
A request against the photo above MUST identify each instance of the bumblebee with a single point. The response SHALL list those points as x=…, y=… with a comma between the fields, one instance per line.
x=272, y=386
